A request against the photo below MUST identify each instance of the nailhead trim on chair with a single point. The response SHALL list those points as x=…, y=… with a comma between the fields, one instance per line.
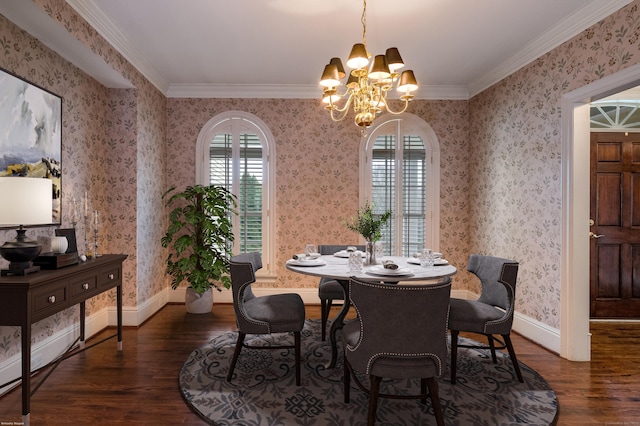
x=510, y=295
x=374, y=357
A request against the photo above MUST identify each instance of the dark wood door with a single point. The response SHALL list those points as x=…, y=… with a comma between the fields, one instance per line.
x=615, y=226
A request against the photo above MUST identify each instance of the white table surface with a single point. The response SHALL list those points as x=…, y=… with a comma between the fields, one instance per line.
x=338, y=268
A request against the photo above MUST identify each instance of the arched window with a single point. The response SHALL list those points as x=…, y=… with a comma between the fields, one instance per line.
x=236, y=150
x=400, y=171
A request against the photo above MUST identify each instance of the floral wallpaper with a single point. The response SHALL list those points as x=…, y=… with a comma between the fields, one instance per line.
x=317, y=165
x=516, y=193
x=113, y=149
x=500, y=161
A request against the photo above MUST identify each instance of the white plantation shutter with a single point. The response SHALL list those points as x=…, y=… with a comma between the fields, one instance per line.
x=414, y=194
x=247, y=186
x=400, y=177
x=383, y=188
x=388, y=161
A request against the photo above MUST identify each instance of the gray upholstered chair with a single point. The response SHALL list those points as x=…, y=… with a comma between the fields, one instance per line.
x=329, y=289
x=281, y=313
x=400, y=333
x=492, y=313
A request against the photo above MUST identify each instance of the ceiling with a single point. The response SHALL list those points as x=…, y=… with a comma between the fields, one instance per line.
x=278, y=48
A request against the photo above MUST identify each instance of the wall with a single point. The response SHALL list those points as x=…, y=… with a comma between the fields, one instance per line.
x=516, y=165
x=113, y=148
x=317, y=170
x=500, y=160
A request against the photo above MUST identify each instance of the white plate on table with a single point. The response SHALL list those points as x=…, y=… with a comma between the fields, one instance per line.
x=436, y=262
x=384, y=272
x=306, y=262
x=344, y=253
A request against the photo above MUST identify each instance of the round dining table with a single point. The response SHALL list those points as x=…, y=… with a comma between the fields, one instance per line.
x=337, y=267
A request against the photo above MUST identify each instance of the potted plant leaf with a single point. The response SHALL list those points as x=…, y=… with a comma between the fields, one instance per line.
x=369, y=225
x=200, y=238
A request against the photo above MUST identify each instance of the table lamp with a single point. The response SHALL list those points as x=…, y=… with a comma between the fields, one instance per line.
x=26, y=201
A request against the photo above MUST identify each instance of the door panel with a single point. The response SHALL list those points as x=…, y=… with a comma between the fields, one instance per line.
x=615, y=233
x=608, y=200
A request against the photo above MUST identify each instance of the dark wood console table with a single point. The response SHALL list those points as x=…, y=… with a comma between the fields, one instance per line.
x=25, y=300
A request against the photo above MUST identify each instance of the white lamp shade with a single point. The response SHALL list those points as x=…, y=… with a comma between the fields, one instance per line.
x=26, y=201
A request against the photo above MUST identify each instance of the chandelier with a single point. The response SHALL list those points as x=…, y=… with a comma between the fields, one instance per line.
x=367, y=86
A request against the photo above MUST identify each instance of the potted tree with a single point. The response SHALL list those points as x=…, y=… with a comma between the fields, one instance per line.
x=200, y=236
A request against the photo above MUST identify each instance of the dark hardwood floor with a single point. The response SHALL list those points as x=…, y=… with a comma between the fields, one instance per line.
x=140, y=384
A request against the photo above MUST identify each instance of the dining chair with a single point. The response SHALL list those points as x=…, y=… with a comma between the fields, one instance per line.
x=280, y=313
x=400, y=333
x=330, y=289
x=492, y=313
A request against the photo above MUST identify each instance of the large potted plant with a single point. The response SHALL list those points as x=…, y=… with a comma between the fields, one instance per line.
x=369, y=225
x=200, y=238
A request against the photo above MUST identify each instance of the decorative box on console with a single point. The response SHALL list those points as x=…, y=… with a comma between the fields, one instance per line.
x=56, y=260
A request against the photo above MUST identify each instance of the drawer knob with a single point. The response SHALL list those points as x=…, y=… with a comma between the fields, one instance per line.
x=111, y=276
x=52, y=299
x=85, y=286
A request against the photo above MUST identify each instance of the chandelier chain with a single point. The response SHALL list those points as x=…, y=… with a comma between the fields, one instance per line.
x=364, y=24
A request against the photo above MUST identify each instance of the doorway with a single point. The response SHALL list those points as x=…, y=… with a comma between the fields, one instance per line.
x=575, y=339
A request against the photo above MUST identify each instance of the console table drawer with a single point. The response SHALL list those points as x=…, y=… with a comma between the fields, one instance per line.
x=84, y=287
x=109, y=277
x=49, y=300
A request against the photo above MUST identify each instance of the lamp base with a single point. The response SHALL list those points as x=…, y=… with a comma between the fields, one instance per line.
x=20, y=253
x=20, y=268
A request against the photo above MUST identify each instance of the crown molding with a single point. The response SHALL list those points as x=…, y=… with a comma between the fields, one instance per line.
x=566, y=29
x=34, y=20
x=244, y=91
x=439, y=93
x=292, y=91
x=92, y=13
x=593, y=12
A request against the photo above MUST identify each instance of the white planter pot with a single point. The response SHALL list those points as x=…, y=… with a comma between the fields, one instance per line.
x=197, y=303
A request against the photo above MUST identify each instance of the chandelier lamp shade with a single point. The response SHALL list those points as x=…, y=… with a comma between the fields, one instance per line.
x=367, y=84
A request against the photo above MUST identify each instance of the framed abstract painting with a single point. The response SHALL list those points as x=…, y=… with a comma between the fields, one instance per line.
x=31, y=135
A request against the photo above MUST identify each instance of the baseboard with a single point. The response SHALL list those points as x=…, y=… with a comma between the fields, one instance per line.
x=52, y=347
x=530, y=328
x=309, y=295
x=133, y=316
x=540, y=333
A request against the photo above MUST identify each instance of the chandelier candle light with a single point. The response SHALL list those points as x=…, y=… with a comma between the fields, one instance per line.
x=366, y=87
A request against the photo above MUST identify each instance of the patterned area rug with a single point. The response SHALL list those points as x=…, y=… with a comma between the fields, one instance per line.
x=263, y=391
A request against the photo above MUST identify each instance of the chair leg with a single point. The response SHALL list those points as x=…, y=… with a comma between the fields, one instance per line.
x=325, y=308
x=373, y=399
x=512, y=354
x=296, y=336
x=454, y=354
x=435, y=400
x=492, y=346
x=236, y=352
x=347, y=380
x=423, y=390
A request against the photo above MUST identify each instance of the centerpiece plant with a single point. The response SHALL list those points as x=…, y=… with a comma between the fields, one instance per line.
x=369, y=225
x=200, y=236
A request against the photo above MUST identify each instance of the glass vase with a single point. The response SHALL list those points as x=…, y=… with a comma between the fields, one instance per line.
x=371, y=253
